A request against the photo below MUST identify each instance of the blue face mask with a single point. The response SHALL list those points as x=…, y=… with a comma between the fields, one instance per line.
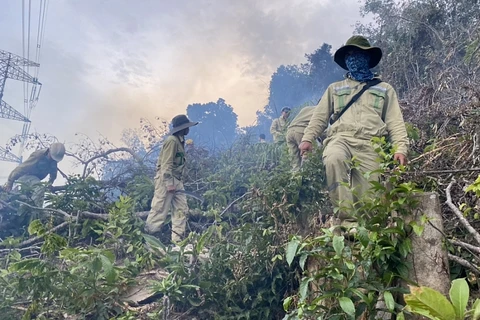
x=357, y=63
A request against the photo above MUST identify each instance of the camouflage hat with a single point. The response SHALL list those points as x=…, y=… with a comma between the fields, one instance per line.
x=361, y=43
x=57, y=151
x=180, y=123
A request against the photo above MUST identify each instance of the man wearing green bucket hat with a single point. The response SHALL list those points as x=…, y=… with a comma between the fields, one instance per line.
x=357, y=109
x=169, y=180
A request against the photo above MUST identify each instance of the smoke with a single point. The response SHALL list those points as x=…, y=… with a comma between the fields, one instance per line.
x=107, y=64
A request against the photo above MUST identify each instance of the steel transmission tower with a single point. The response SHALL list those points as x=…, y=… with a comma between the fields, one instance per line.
x=12, y=67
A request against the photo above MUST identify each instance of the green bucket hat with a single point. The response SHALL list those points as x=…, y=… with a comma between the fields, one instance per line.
x=181, y=122
x=361, y=43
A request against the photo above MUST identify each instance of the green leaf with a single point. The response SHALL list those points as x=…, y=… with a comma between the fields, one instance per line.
x=96, y=265
x=363, y=236
x=107, y=264
x=347, y=305
x=389, y=301
x=400, y=316
x=338, y=244
x=303, y=290
x=196, y=302
x=303, y=259
x=418, y=229
x=476, y=310
x=292, y=250
x=35, y=227
x=286, y=303
x=151, y=240
x=429, y=303
x=459, y=293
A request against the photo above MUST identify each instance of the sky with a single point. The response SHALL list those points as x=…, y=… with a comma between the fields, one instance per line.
x=106, y=64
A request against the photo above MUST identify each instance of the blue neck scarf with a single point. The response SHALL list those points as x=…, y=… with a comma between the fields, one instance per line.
x=357, y=64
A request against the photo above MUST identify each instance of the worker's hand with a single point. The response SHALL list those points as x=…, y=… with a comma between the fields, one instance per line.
x=171, y=188
x=7, y=187
x=402, y=159
x=305, y=147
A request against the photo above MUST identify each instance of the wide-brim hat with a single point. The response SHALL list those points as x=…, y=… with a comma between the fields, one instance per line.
x=361, y=43
x=180, y=123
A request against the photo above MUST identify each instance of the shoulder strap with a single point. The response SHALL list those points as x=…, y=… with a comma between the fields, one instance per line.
x=369, y=84
x=384, y=112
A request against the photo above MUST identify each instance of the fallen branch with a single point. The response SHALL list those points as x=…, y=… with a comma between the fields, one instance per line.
x=57, y=211
x=103, y=216
x=235, y=201
x=445, y=171
x=466, y=246
x=104, y=155
x=37, y=238
x=20, y=249
x=465, y=263
x=459, y=214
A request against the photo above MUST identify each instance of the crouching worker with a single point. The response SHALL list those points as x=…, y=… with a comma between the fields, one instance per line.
x=38, y=166
x=168, y=180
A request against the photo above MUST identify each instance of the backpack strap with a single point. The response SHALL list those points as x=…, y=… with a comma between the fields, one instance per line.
x=369, y=84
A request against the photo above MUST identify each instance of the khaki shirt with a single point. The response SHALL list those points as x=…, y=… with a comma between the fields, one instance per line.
x=301, y=120
x=363, y=119
x=39, y=164
x=171, y=163
x=277, y=129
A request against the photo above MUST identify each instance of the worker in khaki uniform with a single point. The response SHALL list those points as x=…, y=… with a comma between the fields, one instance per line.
x=168, y=181
x=375, y=113
x=279, y=125
x=37, y=167
x=295, y=134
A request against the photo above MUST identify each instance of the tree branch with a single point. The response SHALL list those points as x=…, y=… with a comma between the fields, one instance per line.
x=234, y=201
x=85, y=163
x=35, y=239
x=103, y=216
x=459, y=214
x=465, y=263
x=466, y=246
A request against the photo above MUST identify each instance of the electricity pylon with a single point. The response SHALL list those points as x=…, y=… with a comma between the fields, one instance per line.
x=12, y=67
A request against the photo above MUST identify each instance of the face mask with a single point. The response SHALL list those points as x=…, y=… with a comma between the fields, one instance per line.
x=357, y=63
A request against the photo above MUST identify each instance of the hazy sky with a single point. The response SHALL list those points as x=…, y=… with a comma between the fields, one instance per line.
x=105, y=64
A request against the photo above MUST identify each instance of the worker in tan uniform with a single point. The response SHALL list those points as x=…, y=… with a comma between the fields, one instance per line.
x=38, y=166
x=295, y=134
x=374, y=113
x=279, y=125
x=168, y=181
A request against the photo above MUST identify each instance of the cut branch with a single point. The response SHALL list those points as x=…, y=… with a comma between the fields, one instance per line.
x=86, y=214
x=465, y=263
x=37, y=238
x=466, y=246
x=459, y=214
x=234, y=201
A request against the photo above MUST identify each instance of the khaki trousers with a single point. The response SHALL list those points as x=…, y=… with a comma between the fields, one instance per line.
x=38, y=189
x=337, y=156
x=162, y=202
x=293, y=141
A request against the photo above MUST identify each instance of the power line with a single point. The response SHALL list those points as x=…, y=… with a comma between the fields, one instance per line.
x=15, y=67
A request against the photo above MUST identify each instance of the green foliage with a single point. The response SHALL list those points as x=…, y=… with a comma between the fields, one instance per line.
x=79, y=194
x=356, y=267
x=433, y=305
x=123, y=233
x=76, y=280
x=140, y=189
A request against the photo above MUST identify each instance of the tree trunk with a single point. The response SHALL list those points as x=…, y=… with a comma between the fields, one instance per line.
x=429, y=258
